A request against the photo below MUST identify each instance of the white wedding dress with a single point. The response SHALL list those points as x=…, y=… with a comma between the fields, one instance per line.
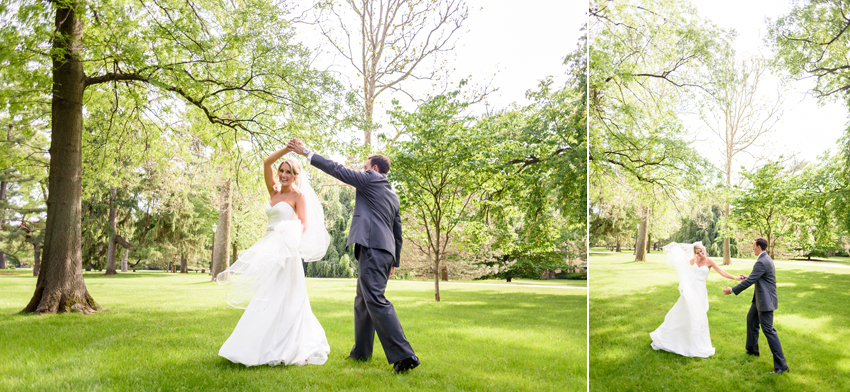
x=278, y=326
x=685, y=327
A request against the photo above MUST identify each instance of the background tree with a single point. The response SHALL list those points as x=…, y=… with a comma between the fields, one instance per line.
x=536, y=211
x=704, y=224
x=766, y=205
x=645, y=63
x=438, y=174
x=389, y=42
x=166, y=50
x=815, y=230
x=812, y=41
x=738, y=114
x=612, y=216
x=841, y=195
x=24, y=161
x=338, y=203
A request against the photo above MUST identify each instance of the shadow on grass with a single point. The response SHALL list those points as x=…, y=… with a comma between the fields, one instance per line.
x=125, y=275
x=812, y=321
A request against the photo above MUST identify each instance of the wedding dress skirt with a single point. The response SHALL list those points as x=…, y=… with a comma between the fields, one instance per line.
x=278, y=326
x=685, y=327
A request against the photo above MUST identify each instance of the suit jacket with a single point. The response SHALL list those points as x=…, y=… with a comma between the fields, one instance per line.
x=376, y=222
x=764, y=278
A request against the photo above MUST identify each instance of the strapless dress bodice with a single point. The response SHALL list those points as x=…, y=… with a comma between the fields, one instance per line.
x=279, y=212
x=701, y=273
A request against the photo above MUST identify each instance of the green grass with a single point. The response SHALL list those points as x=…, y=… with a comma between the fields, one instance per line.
x=629, y=300
x=816, y=260
x=514, y=281
x=163, y=332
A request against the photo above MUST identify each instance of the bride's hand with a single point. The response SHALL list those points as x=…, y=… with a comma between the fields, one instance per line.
x=741, y=277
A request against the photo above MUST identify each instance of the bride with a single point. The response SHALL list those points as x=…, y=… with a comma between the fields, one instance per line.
x=685, y=327
x=267, y=280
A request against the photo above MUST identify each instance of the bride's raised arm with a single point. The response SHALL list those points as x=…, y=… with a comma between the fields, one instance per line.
x=721, y=271
x=269, y=170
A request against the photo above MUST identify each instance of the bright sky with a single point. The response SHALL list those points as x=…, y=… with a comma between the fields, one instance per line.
x=507, y=44
x=806, y=129
x=520, y=43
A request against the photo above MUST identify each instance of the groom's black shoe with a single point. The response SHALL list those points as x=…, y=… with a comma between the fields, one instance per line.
x=358, y=359
x=406, y=364
x=779, y=371
x=752, y=353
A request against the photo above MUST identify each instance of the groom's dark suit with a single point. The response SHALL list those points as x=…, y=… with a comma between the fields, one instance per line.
x=765, y=301
x=376, y=233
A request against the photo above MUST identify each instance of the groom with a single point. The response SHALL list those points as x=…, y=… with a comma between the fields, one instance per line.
x=765, y=301
x=376, y=235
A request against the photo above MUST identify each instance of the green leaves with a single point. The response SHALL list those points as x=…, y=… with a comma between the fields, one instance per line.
x=503, y=188
x=795, y=210
x=811, y=40
x=645, y=61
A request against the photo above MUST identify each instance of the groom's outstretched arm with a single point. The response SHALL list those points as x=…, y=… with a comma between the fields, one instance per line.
x=351, y=177
x=357, y=179
x=758, y=271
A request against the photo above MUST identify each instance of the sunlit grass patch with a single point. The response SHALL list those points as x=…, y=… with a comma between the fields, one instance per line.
x=163, y=332
x=628, y=300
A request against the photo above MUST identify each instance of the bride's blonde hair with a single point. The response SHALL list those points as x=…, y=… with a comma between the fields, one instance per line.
x=295, y=167
x=699, y=246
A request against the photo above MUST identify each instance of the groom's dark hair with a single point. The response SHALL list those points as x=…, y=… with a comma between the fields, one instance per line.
x=762, y=243
x=382, y=162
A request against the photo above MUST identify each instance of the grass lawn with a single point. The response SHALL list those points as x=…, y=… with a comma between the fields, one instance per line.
x=163, y=332
x=518, y=282
x=629, y=300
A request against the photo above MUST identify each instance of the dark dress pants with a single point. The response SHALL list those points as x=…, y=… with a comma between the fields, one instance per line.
x=765, y=320
x=373, y=312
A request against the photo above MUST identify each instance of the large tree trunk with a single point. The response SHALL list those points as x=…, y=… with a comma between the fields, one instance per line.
x=36, y=258
x=222, y=233
x=110, y=253
x=3, y=185
x=2, y=220
x=184, y=264
x=648, y=241
x=445, y=274
x=212, y=255
x=234, y=254
x=436, y=271
x=643, y=233
x=727, y=251
x=369, y=98
x=124, y=260
x=437, y=281
x=60, y=286
x=619, y=248
x=770, y=247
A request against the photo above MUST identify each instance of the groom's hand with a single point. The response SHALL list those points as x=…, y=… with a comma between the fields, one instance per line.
x=727, y=290
x=392, y=272
x=742, y=277
x=297, y=146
